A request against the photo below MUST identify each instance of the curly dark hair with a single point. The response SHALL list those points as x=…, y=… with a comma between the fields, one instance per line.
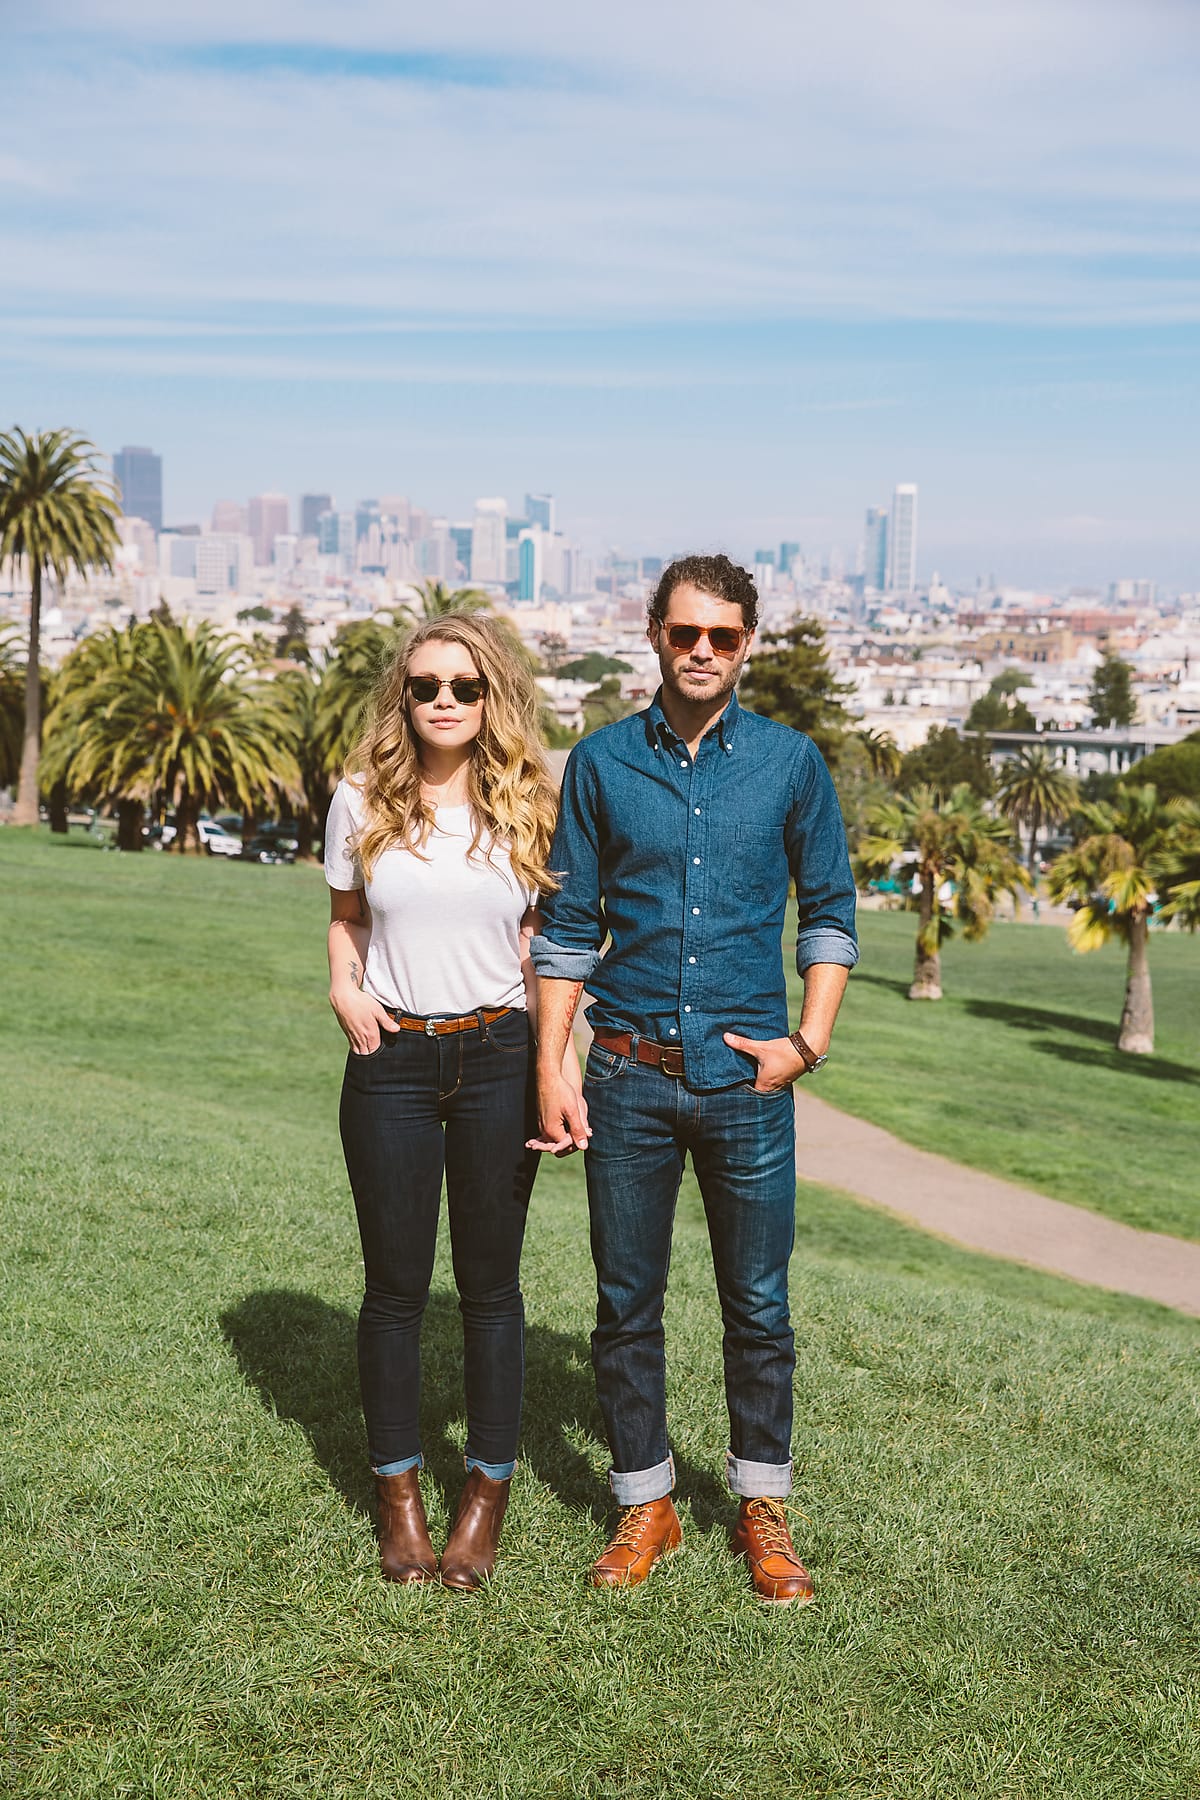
x=714, y=575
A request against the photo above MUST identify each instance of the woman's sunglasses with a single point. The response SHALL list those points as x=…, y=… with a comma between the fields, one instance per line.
x=468, y=690
x=726, y=640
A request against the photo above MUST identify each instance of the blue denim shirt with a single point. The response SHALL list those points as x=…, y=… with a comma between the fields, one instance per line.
x=685, y=865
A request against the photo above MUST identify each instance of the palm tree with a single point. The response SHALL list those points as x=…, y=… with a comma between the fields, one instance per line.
x=1032, y=790
x=57, y=514
x=12, y=705
x=435, y=600
x=82, y=756
x=186, y=724
x=1139, y=849
x=300, y=697
x=945, y=838
x=883, y=753
x=359, y=653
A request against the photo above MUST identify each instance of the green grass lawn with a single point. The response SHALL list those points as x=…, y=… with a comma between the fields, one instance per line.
x=1016, y=1070
x=999, y=1469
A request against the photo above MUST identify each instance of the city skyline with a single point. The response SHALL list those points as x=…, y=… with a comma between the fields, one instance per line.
x=728, y=289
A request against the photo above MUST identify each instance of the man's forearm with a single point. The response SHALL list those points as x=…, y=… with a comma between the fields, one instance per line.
x=558, y=1001
x=824, y=985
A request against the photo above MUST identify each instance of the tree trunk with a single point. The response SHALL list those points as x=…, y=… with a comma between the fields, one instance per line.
x=305, y=832
x=927, y=975
x=129, y=825
x=187, y=838
x=57, y=806
x=27, y=782
x=1136, y=1036
x=1035, y=825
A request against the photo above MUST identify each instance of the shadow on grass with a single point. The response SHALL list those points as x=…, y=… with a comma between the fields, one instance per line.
x=299, y=1353
x=883, y=981
x=1150, y=1068
x=1039, y=1018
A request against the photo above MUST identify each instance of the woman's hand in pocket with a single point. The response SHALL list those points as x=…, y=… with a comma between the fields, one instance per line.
x=361, y=1018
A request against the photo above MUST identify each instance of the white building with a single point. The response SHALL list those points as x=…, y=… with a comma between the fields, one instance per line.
x=224, y=563
x=902, y=540
x=489, y=542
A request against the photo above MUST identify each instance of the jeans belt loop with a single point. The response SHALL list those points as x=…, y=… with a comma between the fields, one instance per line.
x=634, y=1041
x=484, y=1027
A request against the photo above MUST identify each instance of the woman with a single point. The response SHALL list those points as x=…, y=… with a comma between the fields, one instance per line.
x=436, y=848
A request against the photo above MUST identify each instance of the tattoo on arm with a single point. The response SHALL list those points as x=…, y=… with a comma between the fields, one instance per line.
x=355, y=972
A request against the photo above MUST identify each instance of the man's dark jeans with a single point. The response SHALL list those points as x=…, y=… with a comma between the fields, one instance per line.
x=742, y=1146
x=412, y=1109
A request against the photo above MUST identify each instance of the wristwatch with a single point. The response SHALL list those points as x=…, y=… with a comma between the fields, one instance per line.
x=812, y=1062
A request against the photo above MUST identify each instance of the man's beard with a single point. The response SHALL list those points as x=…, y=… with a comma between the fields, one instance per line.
x=728, y=673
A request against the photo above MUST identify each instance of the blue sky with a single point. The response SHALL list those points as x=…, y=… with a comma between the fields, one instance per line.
x=712, y=273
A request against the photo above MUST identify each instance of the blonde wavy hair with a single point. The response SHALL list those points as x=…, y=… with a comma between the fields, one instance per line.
x=513, y=802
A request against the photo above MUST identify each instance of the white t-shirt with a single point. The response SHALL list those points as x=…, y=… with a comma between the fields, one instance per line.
x=445, y=928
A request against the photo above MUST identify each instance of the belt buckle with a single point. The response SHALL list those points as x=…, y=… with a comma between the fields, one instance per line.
x=673, y=1066
x=431, y=1026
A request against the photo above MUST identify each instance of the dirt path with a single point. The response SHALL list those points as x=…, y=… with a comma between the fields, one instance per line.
x=984, y=1212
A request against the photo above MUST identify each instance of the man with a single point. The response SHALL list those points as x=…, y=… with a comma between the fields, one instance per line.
x=678, y=830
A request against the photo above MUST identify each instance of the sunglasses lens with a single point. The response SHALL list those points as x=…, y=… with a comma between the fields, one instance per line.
x=683, y=637
x=726, y=640
x=467, y=690
x=423, y=688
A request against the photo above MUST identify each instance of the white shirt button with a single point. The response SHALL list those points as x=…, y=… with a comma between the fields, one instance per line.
x=691, y=959
x=695, y=910
x=695, y=859
x=683, y=763
x=673, y=1032
x=687, y=1009
x=696, y=810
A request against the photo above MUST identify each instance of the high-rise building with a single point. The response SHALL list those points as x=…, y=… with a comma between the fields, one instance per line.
x=269, y=518
x=488, y=541
x=539, y=510
x=460, y=537
x=229, y=516
x=138, y=474
x=311, y=508
x=875, y=549
x=224, y=563
x=902, y=540
x=788, y=554
x=529, y=564
x=283, y=554
x=366, y=514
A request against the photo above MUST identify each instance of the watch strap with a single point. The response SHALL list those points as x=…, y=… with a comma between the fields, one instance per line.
x=808, y=1054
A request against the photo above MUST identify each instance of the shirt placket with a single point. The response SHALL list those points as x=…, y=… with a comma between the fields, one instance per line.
x=695, y=909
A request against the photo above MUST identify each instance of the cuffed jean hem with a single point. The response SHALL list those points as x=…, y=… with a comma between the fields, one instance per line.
x=758, y=1481
x=637, y=1487
x=493, y=1471
x=400, y=1468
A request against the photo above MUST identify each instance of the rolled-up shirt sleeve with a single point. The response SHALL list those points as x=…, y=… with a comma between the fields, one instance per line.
x=819, y=861
x=568, y=946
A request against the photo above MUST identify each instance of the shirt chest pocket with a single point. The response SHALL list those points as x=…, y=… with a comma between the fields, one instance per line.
x=760, y=870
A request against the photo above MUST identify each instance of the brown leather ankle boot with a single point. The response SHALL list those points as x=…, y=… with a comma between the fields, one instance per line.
x=405, y=1552
x=470, y=1555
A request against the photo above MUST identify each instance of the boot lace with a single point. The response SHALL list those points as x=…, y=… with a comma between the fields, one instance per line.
x=771, y=1526
x=630, y=1526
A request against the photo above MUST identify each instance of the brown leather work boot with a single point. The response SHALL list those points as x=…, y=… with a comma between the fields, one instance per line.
x=761, y=1535
x=405, y=1552
x=470, y=1555
x=643, y=1534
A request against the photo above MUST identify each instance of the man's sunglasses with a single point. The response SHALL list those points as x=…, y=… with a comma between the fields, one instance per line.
x=468, y=690
x=726, y=640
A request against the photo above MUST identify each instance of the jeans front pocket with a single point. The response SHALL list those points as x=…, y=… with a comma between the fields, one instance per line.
x=604, y=1065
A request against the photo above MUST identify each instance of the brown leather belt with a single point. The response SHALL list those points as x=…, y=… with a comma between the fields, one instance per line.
x=666, y=1058
x=442, y=1027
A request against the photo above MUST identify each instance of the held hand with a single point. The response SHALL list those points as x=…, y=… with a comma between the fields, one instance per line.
x=562, y=1116
x=779, y=1061
x=362, y=1019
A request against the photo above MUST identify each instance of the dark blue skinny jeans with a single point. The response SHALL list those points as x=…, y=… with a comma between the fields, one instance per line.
x=743, y=1149
x=413, y=1110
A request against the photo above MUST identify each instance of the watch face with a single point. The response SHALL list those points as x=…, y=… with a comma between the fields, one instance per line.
x=819, y=1064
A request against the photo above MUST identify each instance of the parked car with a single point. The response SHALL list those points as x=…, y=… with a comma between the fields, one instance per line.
x=213, y=837
x=263, y=848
